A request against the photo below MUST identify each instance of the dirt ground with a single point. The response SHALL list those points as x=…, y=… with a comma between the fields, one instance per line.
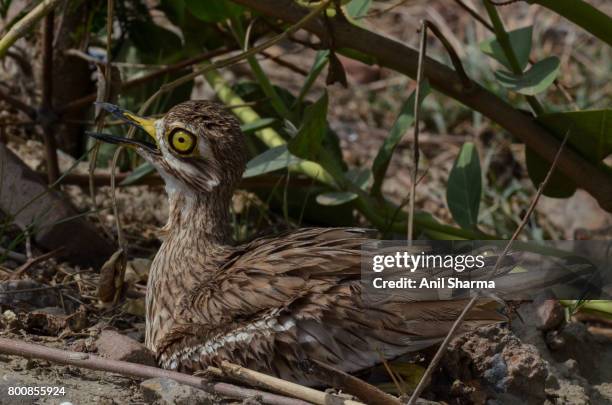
x=517, y=364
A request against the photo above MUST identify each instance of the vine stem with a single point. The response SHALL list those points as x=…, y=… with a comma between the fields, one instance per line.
x=415, y=144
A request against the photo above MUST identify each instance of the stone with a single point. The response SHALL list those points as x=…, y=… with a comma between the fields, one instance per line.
x=116, y=346
x=549, y=313
x=508, y=366
x=164, y=391
x=24, y=195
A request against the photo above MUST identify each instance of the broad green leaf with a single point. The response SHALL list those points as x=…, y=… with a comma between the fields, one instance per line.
x=358, y=8
x=257, y=125
x=141, y=171
x=359, y=176
x=307, y=143
x=558, y=186
x=590, y=134
x=336, y=198
x=269, y=161
x=520, y=41
x=213, y=10
x=321, y=60
x=590, y=131
x=403, y=121
x=533, y=81
x=465, y=187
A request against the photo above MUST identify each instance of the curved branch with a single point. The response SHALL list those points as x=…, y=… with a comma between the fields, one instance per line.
x=24, y=25
x=92, y=362
x=403, y=59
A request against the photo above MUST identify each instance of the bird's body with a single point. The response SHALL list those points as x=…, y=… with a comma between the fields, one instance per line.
x=277, y=301
x=273, y=302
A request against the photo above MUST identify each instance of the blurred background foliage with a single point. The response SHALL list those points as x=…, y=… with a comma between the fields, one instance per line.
x=330, y=137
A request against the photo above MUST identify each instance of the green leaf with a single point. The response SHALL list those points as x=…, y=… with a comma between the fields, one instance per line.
x=307, y=143
x=520, y=41
x=465, y=187
x=321, y=60
x=140, y=172
x=336, y=198
x=590, y=135
x=533, y=81
x=213, y=10
x=558, y=186
x=403, y=121
x=269, y=161
x=358, y=8
x=590, y=131
x=257, y=125
x=359, y=176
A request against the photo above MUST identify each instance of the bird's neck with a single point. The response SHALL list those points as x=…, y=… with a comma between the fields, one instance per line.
x=203, y=219
x=196, y=234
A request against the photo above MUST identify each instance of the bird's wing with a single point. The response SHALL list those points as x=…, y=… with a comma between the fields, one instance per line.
x=278, y=301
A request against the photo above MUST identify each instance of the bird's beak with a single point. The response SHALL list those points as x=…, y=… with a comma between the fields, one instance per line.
x=146, y=124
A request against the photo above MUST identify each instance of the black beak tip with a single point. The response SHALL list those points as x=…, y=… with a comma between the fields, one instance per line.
x=111, y=108
x=102, y=137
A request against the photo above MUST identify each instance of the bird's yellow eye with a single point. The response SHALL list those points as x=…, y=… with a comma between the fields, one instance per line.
x=182, y=142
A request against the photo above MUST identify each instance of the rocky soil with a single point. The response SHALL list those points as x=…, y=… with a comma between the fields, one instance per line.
x=500, y=364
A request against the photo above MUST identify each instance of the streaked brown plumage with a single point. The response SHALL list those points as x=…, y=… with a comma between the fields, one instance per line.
x=275, y=301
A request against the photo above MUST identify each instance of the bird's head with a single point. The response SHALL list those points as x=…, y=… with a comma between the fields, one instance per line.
x=197, y=146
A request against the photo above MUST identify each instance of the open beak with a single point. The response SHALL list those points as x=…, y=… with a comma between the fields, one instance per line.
x=146, y=124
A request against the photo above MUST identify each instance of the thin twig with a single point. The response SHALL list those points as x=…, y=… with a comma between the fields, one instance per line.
x=391, y=373
x=284, y=387
x=378, y=13
x=31, y=262
x=417, y=114
x=234, y=59
x=442, y=349
x=28, y=243
x=284, y=63
x=339, y=379
x=475, y=15
x=90, y=98
x=108, y=70
x=455, y=59
x=36, y=289
x=92, y=362
x=103, y=179
x=46, y=107
x=18, y=105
